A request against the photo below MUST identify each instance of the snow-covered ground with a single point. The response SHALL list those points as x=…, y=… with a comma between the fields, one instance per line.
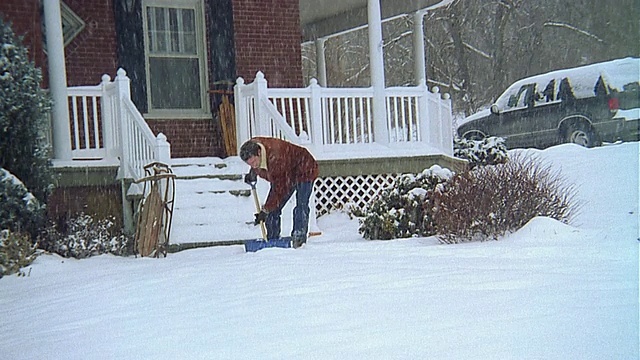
x=547, y=291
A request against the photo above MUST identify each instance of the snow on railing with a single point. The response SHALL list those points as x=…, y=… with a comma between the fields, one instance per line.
x=106, y=124
x=320, y=117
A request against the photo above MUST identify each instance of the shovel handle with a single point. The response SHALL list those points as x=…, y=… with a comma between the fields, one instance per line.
x=254, y=192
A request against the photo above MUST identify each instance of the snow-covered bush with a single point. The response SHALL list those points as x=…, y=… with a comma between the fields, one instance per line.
x=490, y=201
x=404, y=209
x=16, y=252
x=488, y=151
x=82, y=236
x=24, y=107
x=20, y=211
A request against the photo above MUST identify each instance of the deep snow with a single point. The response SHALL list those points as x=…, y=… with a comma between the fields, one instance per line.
x=547, y=291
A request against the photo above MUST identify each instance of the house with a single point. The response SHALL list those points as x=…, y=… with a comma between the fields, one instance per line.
x=181, y=57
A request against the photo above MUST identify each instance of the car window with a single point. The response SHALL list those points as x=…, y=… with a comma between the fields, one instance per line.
x=523, y=98
x=600, y=89
x=549, y=93
x=565, y=92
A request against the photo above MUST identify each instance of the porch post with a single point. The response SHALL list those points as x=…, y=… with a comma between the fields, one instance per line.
x=261, y=92
x=376, y=59
x=316, y=116
x=321, y=65
x=420, y=71
x=242, y=118
x=110, y=128
x=57, y=81
x=163, y=149
x=424, y=115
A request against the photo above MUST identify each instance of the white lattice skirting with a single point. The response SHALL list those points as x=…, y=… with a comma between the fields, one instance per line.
x=360, y=190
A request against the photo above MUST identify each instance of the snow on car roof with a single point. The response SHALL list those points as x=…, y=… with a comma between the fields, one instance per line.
x=616, y=74
x=477, y=115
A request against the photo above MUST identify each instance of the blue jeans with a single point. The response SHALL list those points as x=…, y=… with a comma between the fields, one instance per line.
x=300, y=214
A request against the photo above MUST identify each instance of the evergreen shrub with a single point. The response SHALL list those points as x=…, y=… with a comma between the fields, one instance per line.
x=24, y=118
x=488, y=151
x=404, y=210
x=20, y=211
x=16, y=252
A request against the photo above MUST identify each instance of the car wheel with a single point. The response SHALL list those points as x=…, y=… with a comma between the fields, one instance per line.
x=581, y=134
x=474, y=135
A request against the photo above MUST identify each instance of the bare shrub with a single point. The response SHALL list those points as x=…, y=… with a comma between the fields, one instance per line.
x=83, y=236
x=490, y=201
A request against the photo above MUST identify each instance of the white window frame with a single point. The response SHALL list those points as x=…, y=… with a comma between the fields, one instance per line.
x=200, y=27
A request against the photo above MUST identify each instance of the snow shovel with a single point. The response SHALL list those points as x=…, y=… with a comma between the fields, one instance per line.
x=254, y=245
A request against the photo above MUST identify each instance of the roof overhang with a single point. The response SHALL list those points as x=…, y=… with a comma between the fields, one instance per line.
x=321, y=18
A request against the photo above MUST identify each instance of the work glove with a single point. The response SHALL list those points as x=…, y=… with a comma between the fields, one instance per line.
x=251, y=177
x=260, y=217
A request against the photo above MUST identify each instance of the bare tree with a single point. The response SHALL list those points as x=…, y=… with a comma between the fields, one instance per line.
x=476, y=48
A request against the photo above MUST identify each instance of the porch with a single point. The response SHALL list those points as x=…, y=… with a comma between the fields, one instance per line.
x=347, y=123
x=360, y=150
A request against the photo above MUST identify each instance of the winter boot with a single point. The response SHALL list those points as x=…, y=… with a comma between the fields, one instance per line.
x=298, y=240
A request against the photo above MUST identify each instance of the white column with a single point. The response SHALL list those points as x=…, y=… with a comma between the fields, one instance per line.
x=57, y=80
x=376, y=59
x=316, y=117
x=420, y=71
x=321, y=65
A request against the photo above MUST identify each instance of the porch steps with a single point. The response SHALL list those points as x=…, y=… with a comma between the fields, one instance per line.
x=213, y=206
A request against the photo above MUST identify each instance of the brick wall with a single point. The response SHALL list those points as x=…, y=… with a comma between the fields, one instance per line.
x=189, y=137
x=101, y=202
x=93, y=52
x=24, y=17
x=267, y=38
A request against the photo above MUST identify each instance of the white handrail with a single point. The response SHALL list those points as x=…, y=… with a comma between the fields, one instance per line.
x=325, y=117
x=141, y=146
x=278, y=127
x=107, y=125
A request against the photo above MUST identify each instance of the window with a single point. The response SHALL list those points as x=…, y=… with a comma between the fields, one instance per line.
x=549, y=92
x=523, y=98
x=175, y=58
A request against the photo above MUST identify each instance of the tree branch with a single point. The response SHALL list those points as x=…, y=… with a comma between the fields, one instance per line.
x=571, y=27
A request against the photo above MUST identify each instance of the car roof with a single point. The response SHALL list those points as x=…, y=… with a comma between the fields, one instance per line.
x=616, y=74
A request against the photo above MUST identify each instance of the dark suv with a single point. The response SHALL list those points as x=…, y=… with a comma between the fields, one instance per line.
x=584, y=105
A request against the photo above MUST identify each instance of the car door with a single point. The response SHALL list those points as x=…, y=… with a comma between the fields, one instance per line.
x=530, y=122
x=516, y=118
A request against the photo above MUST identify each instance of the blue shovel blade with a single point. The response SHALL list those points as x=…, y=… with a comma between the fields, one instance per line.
x=258, y=244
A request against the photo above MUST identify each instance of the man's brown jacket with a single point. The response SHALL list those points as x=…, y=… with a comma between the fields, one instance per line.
x=287, y=165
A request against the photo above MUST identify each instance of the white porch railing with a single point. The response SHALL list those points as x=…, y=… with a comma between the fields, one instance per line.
x=105, y=125
x=320, y=117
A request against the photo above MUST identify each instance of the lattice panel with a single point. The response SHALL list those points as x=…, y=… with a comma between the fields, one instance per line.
x=359, y=190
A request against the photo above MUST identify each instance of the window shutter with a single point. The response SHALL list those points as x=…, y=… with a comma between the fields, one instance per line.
x=130, y=47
